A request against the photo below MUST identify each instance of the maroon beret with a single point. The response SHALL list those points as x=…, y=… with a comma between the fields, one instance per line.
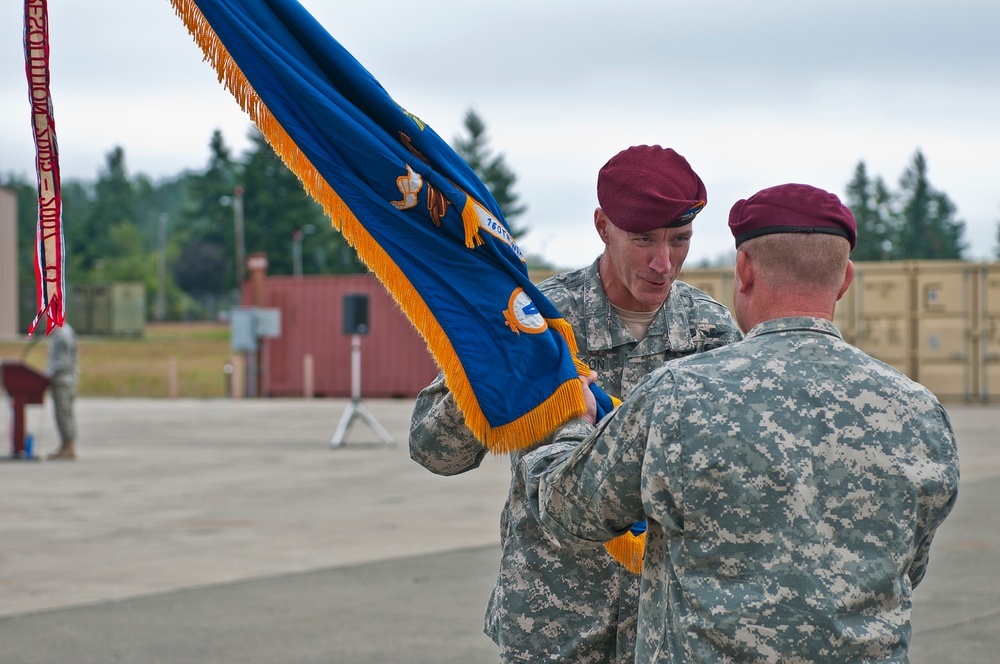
x=647, y=187
x=791, y=208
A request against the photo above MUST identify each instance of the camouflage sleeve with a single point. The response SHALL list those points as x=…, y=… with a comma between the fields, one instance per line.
x=938, y=504
x=589, y=492
x=439, y=440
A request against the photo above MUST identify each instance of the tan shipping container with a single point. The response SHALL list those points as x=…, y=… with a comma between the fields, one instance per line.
x=945, y=315
x=988, y=332
x=114, y=308
x=883, y=312
x=716, y=283
x=938, y=322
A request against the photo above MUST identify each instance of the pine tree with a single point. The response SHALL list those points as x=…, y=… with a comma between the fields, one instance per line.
x=998, y=240
x=878, y=227
x=209, y=215
x=88, y=222
x=491, y=169
x=929, y=228
x=206, y=264
x=276, y=206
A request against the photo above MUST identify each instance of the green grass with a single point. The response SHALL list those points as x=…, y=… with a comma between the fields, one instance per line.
x=140, y=366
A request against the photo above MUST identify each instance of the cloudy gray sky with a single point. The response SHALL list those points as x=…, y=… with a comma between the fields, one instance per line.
x=752, y=93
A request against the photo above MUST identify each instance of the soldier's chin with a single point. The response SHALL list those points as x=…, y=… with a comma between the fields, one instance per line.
x=653, y=296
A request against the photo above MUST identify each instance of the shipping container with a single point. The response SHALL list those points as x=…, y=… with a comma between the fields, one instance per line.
x=107, y=308
x=716, y=283
x=988, y=332
x=945, y=312
x=394, y=358
x=883, y=313
x=938, y=322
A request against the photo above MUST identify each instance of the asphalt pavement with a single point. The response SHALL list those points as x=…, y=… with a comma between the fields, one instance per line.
x=218, y=531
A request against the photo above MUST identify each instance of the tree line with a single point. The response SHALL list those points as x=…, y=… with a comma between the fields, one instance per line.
x=119, y=226
x=128, y=228
x=915, y=221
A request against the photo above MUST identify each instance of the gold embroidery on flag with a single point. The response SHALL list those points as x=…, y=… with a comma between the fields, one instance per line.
x=409, y=185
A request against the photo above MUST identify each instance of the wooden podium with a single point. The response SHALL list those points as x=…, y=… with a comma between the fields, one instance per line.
x=24, y=386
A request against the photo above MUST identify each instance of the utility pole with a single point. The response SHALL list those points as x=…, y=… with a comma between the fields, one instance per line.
x=297, y=236
x=241, y=251
x=161, y=271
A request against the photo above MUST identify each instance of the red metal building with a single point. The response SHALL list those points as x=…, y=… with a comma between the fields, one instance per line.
x=395, y=361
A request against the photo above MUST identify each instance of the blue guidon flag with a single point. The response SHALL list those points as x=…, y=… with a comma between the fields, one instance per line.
x=415, y=212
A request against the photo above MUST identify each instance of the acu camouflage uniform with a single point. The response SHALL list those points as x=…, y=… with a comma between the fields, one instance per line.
x=791, y=485
x=552, y=604
x=62, y=368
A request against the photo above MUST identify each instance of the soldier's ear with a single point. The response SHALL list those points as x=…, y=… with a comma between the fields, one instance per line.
x=744, y=271
x=848, y=279
x=601, y=224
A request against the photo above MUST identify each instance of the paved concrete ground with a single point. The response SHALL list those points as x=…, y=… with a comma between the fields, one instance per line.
x=230, y=531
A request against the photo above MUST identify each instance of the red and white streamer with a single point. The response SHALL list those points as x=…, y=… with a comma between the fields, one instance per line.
x=49, y=242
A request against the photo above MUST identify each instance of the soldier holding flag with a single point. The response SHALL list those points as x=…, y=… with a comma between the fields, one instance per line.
x=630, y=314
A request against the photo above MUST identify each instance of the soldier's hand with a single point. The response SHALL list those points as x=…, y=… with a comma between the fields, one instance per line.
x=588, y=397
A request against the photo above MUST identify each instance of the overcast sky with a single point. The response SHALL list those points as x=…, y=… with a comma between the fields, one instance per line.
x=752, y=93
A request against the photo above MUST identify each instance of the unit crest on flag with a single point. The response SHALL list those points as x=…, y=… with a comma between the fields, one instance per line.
x=522, y=314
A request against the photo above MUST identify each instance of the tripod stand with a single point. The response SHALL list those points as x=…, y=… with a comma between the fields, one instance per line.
x=357, y=407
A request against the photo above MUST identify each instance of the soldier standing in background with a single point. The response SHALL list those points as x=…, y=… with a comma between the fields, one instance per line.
x=64, y=372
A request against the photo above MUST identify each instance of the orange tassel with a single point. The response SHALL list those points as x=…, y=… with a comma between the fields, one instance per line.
x=628, y=549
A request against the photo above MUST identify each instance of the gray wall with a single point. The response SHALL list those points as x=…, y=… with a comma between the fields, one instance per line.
x=8, y=265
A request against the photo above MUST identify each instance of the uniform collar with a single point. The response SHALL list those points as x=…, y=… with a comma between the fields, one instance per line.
x=795, y=324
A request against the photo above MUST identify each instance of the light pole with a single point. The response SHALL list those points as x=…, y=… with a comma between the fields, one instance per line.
x=241, y=252
x=297, y=236
x=161, y=271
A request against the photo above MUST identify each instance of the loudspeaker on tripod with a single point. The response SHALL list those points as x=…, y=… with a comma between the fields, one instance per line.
x=356, y=313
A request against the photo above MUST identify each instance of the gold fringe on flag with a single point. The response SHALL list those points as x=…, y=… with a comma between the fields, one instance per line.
x=564, y=403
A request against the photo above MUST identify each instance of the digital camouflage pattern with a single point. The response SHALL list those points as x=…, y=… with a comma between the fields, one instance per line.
x=549, y=603
x=791, y=486
x=61, y=366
